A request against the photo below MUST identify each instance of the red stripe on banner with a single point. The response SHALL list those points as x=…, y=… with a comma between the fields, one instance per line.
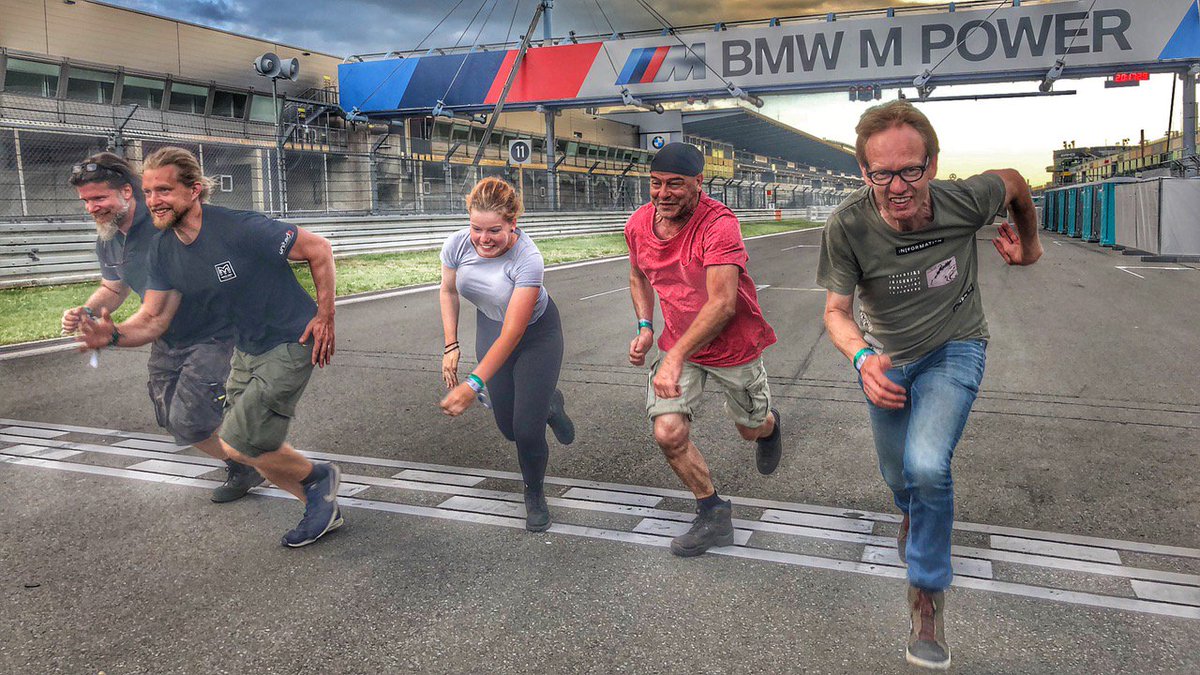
x=660, y=55
x=493, y=94
x=549, y=73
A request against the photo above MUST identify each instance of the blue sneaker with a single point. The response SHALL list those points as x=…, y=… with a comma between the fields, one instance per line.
x=321, y=513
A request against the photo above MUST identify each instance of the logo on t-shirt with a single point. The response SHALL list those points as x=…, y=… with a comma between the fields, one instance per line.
x=967, y=294
x=287, y=239
x=905, y=282
x=913, y=248
x=225, y=271
x=942, y=273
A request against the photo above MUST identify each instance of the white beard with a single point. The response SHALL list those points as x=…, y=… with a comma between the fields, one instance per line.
x=107, y=229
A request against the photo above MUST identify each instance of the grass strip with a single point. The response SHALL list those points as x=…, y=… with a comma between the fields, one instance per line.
x=34, y=313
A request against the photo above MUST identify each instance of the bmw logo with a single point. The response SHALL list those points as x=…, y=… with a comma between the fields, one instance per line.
x=658, y=142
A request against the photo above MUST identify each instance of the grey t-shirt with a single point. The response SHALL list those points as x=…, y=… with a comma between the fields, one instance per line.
x=489, y=282
x=917, y=290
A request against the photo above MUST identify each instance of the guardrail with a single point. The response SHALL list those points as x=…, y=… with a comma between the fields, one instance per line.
x=40, y=254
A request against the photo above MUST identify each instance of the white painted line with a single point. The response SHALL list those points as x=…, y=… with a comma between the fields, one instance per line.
x=760, y=287
x=1083, y=540
x=965, y=566
x=1180, y=595
x=824, y=522
x=172, y=468
x=672, y=529
x=1072, y=597
x=33, y=432
x=439, y=477
x=142, y=444
x=490, y=506
x=1133, y=273
x=1092, y=553
x=814, y=290
x=1126, y=268
x=612, y=497
x=816, y=228
x=801, y=246
x=596, y=295
x=38, y=451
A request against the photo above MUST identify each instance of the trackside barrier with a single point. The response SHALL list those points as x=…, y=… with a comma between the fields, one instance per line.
x=39, y=254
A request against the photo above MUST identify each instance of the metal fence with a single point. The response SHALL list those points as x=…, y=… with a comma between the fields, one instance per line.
x=319, y=170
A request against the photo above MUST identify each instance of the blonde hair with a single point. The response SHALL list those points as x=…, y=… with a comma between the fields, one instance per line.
x=496, y=195
x=187, y=168
x=888, y=115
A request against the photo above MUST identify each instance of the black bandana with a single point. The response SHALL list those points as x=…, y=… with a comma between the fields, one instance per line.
x=678, y=158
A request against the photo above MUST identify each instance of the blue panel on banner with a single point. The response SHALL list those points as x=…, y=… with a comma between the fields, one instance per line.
x=374, y=85
x=434, y=74
x=1185, y=43
x=626, y=75
x=643, y=63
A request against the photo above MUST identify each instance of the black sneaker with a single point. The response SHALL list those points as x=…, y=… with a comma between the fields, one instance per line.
x=712, y=527
x=559, y=422
x=770, y=449
x=537, y=513
x=927, y=646
x=321, y=513
x=238, y=481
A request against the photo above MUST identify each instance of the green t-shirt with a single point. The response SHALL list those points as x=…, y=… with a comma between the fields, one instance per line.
x=917, y=290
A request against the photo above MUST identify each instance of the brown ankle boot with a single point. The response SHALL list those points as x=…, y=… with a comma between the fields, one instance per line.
x=927, y=639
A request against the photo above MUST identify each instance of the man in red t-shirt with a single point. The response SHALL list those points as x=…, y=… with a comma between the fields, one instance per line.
x=688, y=248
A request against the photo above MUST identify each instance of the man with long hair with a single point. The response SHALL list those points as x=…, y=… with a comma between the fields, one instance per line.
x=235, y=264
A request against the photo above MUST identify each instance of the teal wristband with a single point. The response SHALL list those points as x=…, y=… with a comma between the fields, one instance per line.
x=475, y=383
x=860, y=356
x=645, y=323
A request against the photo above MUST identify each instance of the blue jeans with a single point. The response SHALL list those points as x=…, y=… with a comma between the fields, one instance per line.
x=915, y=445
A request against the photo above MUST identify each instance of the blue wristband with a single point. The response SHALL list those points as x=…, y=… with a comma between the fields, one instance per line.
x=475, y=383
x=645, y=323
x=861, y=356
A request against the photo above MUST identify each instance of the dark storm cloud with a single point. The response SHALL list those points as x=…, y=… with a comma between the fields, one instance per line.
x=362, y=26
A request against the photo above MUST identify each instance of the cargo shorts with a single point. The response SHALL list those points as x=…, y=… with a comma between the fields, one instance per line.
x=262, y=394
x=187, y=387
x=747, y=394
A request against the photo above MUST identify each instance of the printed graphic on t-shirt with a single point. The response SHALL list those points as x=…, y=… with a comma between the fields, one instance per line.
x=905, y=282
x=914, y=248
x=287, y=239
x=943, y=273
x=225, y=271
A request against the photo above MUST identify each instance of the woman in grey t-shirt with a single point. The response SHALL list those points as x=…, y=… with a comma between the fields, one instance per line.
x=518, y=335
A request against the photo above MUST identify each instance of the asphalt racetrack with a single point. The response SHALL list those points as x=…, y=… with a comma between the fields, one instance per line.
x=1077, y=544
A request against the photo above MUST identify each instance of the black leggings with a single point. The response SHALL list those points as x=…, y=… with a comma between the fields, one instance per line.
x=521, y=389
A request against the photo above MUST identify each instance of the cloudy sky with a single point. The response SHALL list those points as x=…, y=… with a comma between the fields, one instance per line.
x=1020, y=133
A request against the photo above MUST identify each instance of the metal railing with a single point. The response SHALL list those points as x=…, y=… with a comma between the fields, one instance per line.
x=38, y=254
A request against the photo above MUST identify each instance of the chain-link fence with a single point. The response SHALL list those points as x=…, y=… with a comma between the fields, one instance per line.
x=318, y=170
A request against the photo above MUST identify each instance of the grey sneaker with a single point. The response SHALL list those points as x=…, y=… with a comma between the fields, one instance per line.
x=238, y=482
x=927, y=646
x=537, y=513
x=559, y=422
x=712, y=527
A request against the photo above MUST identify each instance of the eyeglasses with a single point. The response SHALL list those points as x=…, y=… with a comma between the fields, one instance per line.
x=909, y=174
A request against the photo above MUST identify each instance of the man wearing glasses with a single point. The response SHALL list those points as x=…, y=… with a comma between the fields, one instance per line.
x=189, y=364
x=906, y=242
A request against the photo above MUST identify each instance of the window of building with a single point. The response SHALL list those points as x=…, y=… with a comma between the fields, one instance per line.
x=229, y=104
x=262, y=109
x=145, y=92
x=188, y=98
x=32, y=78
x=94, y=86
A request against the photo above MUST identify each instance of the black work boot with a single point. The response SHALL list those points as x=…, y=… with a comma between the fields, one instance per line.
x=712, y=527
x=537, y=513
x=770, y=448
x=927, y=646
x=559, y=422
x=237, y=483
